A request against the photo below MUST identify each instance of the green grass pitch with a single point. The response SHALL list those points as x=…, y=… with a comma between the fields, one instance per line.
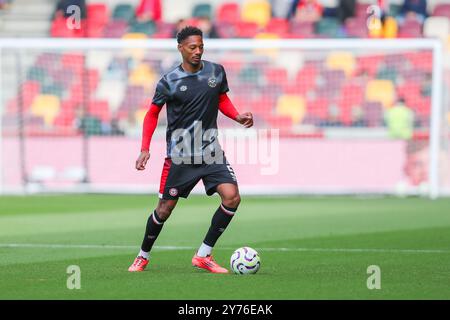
x=310, y=247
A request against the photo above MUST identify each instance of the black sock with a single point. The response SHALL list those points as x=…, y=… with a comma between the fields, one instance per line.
x=219, y=223
x=154, y=226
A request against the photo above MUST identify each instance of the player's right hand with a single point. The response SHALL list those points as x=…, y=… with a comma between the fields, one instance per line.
x=141, y=161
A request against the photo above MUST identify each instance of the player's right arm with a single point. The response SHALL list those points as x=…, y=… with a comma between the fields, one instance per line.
x=149, y=126
x=150, y=123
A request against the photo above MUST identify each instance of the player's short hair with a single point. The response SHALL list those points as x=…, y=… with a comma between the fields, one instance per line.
x=187, y=32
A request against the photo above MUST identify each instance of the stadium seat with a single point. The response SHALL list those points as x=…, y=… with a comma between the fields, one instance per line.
x=341, y=61
x=409, y=89
x=115, y=29
x=46, y=106
x=317, y=109
x=382, y=91
x=277, y=75
x=148, y=28
x=66, y=115
x=387, y=73
x=390, y=28
x=278, y=26
x=411, y=28
x=333, y=78
x=442, y=10
x=246, y=29
x=97, y=17
x=292, y=106
x=422, y=61
x=134, y=35
x=228, y=12
x=437, y=27
x=301, y=29
x=29, y=90
x=328, y=27
x=373, y=113
x=368, y=64
x=56, y=89
x=202, y=10
x=100, y=110
x=258, y=11
x=123, y=12
x=73, y=61
x=306, y=79
x=142, y=75
x=352, y=94
x=356, y=27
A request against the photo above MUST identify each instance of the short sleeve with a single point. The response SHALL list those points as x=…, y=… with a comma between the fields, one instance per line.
x=161, y=93
x=224, y=85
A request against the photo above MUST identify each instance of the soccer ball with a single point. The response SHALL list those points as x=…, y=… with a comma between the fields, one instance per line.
x=245, y=260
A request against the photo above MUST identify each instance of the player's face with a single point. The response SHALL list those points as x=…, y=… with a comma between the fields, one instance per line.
x=192, y=50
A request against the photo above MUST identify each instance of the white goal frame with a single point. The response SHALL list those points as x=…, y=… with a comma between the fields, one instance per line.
x=245, y=44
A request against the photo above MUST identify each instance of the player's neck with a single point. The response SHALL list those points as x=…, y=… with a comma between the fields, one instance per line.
x=191, y=68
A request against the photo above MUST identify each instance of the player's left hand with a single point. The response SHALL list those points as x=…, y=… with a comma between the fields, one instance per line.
x=246, y=119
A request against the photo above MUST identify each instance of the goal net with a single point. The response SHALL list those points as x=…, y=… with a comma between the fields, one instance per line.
x=331, y=116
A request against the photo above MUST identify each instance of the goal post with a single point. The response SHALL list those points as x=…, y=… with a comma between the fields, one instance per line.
x=353, y=116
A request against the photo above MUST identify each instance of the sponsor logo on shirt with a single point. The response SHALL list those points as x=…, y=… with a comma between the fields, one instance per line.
x=212, y=82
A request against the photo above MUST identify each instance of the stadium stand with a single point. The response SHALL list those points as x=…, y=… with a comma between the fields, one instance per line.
x=344, y=90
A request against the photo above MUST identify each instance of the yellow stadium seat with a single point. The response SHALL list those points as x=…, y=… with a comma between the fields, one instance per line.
x=134, y=35
x=46, y=106
x=341, y=61
x=375, y=28
x=143, y=75
x=267, y=35
x=382, y=91
x=293, y=106
x=390, y=28
x=258, y=11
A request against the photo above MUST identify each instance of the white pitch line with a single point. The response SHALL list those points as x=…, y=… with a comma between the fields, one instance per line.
x=163, y=248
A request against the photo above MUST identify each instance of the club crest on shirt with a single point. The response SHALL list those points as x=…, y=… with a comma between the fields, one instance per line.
x=183, y=88
x=212, y=82
x=173, y=192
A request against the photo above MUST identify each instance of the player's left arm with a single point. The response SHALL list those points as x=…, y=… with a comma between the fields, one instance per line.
x=228, y=109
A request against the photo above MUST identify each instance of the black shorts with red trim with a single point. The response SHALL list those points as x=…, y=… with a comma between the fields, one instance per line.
x=178, y=180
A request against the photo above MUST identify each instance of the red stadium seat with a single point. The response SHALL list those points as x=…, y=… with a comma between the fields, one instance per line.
x=278, y=26
x=277, y=75
x=409, y=89
x=410, y=29
x=442, y=10
x=100, y=109
x=318, y=108
x=302, y=29
x=246, y=29
x=228, y=12
x=356, y=27
x=306, y=79
x=368, y=64
x=352, y=95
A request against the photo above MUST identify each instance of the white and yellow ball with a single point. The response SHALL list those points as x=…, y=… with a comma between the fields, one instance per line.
x=245, y=260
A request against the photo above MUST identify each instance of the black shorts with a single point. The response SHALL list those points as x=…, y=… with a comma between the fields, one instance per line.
x=178, y=180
